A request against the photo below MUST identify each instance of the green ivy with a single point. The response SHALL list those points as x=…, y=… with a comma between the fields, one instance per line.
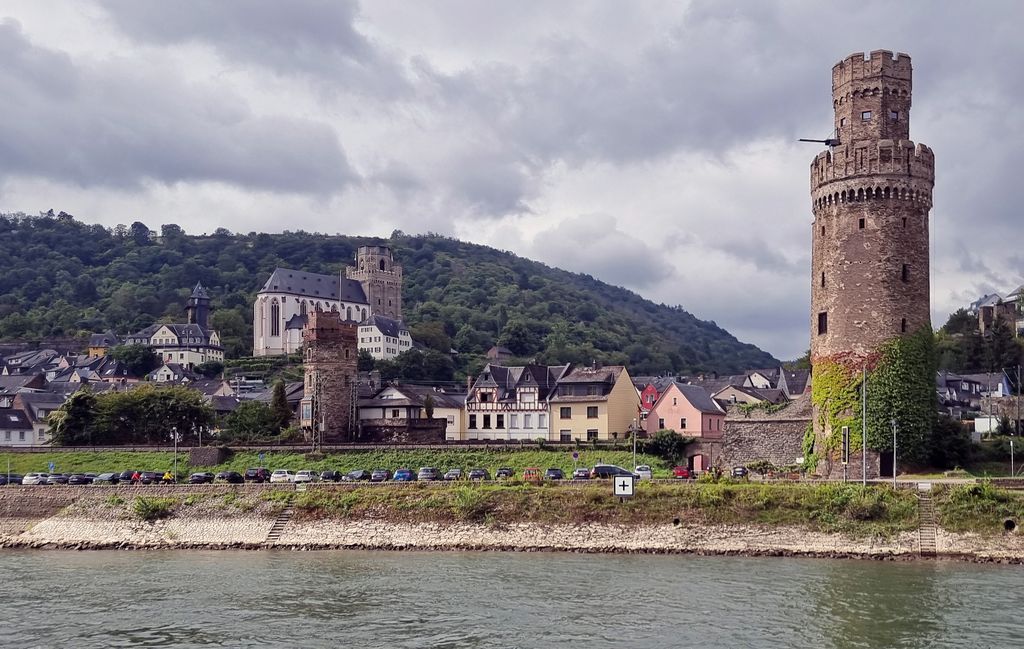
x=835, y=391
x=902, y=388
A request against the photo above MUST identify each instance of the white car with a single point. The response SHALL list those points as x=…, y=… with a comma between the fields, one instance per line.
x=35, y=478
x=282, y=475
x=304, y=476
x=644, y=471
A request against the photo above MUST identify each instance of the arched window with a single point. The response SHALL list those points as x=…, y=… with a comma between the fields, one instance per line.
x=275, y=318
x=364, y=314
x=382, y=264
x=302, y=308
x=348, y=313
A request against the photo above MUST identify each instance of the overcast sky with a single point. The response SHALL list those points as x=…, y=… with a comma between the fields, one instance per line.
x=650, y=144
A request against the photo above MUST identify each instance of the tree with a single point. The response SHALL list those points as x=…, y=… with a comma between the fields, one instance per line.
x=668, y=445
x=73, y=423
x=1001, y=348
x=432, y=335
x=366, y=361
x=949, y=445
x=960, y=322
x=279, y=407
x=251, y=421
x=140, y=359
x=210, y=369
x=428, y=406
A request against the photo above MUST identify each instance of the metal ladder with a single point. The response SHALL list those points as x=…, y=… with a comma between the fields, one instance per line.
x=926, y=524
x=280, y=523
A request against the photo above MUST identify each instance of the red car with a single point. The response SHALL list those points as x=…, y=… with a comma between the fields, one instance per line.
x=682, y=473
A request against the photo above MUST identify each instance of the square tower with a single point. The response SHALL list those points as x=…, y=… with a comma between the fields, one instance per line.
x=331, y=355
x=381, y=279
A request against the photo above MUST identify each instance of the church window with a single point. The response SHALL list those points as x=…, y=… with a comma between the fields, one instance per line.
x=348, y=313
x=823, y=323
x=302, y=308
x=364, y=314
x=275, y=319
x=382, y=264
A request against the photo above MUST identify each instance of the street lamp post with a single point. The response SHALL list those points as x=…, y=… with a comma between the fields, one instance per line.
x=894, y=453
x=174, y=431
x=632, y=430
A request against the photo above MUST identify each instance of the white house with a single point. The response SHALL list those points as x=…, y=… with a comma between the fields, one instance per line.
x=408, y=402
x=189, y=344
x=511, y=402
x=384, y=337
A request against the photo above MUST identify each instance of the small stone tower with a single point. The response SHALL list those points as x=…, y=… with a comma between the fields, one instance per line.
x=381, y=278
x=870, y=194
x=329, y=402
x=198, y=308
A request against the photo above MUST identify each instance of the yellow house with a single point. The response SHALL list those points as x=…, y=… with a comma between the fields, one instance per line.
x=593, y=403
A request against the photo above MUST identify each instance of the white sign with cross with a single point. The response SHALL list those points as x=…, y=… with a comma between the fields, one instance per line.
x=623, y=486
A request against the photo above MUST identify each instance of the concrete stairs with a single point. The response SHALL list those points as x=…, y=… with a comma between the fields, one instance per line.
x=926, y=524
x=280, y=523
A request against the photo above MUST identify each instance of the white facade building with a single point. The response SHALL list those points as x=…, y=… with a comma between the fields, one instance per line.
x=189, y=344
x=384, y=338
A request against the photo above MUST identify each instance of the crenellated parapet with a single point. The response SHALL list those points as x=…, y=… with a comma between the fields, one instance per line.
x=877, y=169
x=879, y=63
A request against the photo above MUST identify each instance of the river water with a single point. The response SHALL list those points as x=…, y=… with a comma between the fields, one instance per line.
x=434, y=599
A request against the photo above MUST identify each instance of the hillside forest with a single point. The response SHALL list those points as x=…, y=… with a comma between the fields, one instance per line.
x=65, y=279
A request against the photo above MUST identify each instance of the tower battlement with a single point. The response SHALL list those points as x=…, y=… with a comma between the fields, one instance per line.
x=879, y=63
x=887, y=164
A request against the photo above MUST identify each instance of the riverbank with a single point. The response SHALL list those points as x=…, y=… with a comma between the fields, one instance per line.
x=755, y=520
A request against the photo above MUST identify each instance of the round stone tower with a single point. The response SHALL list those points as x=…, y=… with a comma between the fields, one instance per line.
x=870, y=194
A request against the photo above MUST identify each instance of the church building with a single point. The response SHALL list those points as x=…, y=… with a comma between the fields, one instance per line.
x=373, y=287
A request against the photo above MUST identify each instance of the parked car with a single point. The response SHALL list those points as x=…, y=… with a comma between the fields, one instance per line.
x=739, y=472
x=126, y=476
x=307, y=475
x=682, y=473
x=380, y=475
x=35, y=478
x=79, y=479
x=57, y=478
x=428, y=473
x=404, y=475
x=356, y=476
x=203, y=477
x=231, y=477
x=330, y=475
x=453, y=474
x=10, y=478
x=608, y=471
x=581, y=473
x=504, y=472
x=151, y=477
x=282, y=475
x=554, y=474
x=479, y=474
x=531, y=474
x=644, y=471
x=107, y=478
x=257, y=474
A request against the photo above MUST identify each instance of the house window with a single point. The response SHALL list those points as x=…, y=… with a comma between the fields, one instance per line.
x=591, y=412
x=513, y=421
x=42, y=435
x=526, y=421
x=565, y=435
x=307, y=411
x=565, y=413
x=485, y=397
x=860, y=223
x=682, y=423
x=822, y=323
x=487, y=421
x=394, y=413
x=591, y=434
x=451, y=420
x=905, y=273
x=865, y=115
x=21, y=436
x=472, y=422
x=500, y=421
x=592, y=390
x=675, y=401
x=7, y=435
x=661, y=424
x=542, y=421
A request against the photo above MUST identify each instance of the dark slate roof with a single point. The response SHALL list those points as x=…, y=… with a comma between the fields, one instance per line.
x=224, y=404
x=105, y=339
x=796, y=381
x=388, y=326
x=297, y=321
x=605, y=374
x=181, y=330
x=418, y=394
x=199, y=292
x=699, y=398
x=314, y=285
x=11, y=419
x=36, y=402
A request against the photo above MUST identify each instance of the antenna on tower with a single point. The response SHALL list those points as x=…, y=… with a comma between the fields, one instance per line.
x=829, y=141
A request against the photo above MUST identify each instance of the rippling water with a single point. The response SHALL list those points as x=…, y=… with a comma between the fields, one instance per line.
x=423, y=599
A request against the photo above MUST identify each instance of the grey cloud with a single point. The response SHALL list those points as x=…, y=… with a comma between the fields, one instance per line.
x=314, y=37
x=117, y=125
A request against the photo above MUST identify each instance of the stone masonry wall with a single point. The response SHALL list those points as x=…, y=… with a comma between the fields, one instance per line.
x=749, y=440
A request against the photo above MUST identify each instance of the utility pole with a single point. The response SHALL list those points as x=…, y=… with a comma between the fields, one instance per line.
x=632, y=430
x=864, y=428
x=894, y=453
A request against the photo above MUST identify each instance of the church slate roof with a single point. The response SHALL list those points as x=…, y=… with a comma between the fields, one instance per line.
x=315, y=285
x=388, y=326
x=199, y=292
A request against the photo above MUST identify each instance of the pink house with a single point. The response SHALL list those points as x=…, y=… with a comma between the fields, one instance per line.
x=690, y=411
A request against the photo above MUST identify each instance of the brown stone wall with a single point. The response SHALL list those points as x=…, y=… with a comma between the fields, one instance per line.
x=208, y=455
x=331, y=357
x=383, y=287
x=403, y=431
x=749, y=440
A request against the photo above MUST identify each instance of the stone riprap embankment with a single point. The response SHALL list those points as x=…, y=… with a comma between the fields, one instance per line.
x=240, y=517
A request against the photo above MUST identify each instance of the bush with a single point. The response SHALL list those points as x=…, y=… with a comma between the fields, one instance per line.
x=151, y=509
x=668, y=445
x=469, y=504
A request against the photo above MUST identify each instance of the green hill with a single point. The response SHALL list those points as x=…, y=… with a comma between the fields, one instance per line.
x=66, y=278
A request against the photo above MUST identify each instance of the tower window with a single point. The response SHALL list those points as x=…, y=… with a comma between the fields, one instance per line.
x=905, y=274
x=860, y=223
x=894, y=115
x=865, y=115
x=823, y=279
x=904, y=223
x=903, y=325
x=842, y=121
x=382, y=264
x=823, y=230
x=823, y=323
